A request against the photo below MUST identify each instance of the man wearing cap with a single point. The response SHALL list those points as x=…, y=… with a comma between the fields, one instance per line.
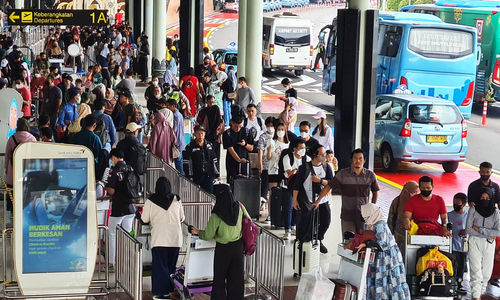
x=86, y=137
x=69, y=112
x=134, y=152
x=202, y=160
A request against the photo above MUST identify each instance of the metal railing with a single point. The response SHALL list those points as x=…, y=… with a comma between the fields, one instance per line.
x=7, y=251
x=266, y=266
x=128, y=269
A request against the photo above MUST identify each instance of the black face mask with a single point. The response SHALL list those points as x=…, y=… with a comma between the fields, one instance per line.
x=485, y=177
x=457, y=207
x=425, y=193
x=484, y=203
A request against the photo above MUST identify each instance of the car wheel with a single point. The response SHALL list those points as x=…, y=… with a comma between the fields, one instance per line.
x=298, y=72
x=389, y=164
x=450, y=166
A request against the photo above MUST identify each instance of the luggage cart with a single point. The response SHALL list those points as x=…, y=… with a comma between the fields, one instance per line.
x=412, y=244
x=354, y=268
x=195, y=276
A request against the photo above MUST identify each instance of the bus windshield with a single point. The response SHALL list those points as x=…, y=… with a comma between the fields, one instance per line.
x=297, y=36
x=440, y=43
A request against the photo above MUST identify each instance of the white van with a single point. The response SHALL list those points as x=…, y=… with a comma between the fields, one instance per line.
x=287, y=43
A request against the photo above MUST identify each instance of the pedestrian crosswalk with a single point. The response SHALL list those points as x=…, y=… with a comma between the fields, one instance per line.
x=310, y=82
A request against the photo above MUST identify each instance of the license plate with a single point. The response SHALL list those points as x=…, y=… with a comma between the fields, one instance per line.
x=436, y=139
x=292, y=49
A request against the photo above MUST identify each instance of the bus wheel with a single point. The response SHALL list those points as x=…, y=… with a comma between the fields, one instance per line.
x=450, y=166
x=298, y=72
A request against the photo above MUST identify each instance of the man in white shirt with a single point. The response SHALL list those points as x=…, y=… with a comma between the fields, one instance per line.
x=254, y=124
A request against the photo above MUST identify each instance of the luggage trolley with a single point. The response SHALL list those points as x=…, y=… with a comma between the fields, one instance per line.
x=412, y=244
x=195, y=275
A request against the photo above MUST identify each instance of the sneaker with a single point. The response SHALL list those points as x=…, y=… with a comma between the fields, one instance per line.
x=322, y=248
x=294, y=232
x=162, y=297
x=287, y=235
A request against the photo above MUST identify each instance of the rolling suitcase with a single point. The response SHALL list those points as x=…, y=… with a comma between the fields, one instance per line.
x=306, y=254
x=277, y=193
x=247, y=191
x=344, y=290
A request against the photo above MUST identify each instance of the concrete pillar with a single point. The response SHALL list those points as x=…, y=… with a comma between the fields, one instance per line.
x=130, y=15
x=193, y=32
x=253, y=60
x=242, y=37
x=18, y=4
x=160, y=29
x=148, y=24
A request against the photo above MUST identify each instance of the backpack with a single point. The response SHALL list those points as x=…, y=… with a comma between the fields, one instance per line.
x=15, y=146
x=316, y=187
x=102, y=163
x=281, y=168
x=252, y=131
x=101, y=131
x=117, y=115
x=227, y=85
x=132, y=183
x=140, y=164
x=249, y=232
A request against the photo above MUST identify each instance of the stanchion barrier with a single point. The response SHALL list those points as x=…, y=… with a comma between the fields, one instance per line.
x=266, y=266
x=197, y=214
x=102, y=251
x=128, y=269
x=6, y=215
x=7, y=252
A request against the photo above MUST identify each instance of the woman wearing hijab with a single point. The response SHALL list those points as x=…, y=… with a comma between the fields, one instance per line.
x=162, y=138
x=396, y=214
x=224, y=226
x=483, y=226
x=164, y=213
x=386, y=277
x=210, y=119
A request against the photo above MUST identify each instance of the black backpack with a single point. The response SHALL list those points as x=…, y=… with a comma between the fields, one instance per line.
x=101, y=131
x=281, y=168
x=316, y=187
x=132, y=183
x=227, y=85
x=140, y=162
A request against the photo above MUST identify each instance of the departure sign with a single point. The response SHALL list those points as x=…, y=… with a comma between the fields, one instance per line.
x=58, y=17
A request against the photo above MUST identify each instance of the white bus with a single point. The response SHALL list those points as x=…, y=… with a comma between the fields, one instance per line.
x=287, y=43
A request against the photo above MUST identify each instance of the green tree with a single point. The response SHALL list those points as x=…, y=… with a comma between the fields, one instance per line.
x=393, y=5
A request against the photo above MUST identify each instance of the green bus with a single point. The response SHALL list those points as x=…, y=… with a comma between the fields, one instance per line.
x=487, y=22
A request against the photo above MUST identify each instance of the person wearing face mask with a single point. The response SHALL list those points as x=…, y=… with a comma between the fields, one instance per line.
x=292, y=160
x=25, y=93
x=83, y=109
x=263, y=167
x=354, y=184
x=323, y=133
x=396, y=213
x=153, y=91
x=68, y=114
x=483, y=226
x=204, y=68
x=289, y=113
x=458, y=219
x=425, y=208
x=305, y=134
x=311, y=178
x=238, y=143
x=475, y=187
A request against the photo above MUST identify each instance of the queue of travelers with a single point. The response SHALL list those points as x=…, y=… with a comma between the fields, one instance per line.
x=102, y=112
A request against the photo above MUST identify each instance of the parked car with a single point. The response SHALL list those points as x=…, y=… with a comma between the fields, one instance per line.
x=225, y=58
x=415, y=128
x=231, y=5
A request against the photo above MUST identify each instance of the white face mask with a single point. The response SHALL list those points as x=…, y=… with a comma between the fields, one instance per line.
x=239, y=86
x=37, y=75
x=270, y=129
x=301, y=152
x=304, y=134
x=155, y=82
x=280, y=133
x=18, y=86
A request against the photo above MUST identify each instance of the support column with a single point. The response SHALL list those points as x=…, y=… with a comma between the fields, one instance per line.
x=253, y=59
x=160, y=29
x=18, y=4
x=199, y=27
x=185, y=37
x=242, y=37
x=148, y=24
x=356, y=75
x=192, y=34
x=130, y=15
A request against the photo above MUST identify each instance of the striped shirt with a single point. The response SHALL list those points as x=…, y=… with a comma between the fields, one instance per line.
x=355, y=191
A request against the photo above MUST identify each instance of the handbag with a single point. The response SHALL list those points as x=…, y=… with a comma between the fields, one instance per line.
x=249, y=232
x=175, y=152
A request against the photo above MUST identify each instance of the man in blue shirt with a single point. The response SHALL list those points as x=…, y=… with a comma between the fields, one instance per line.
x=69, y=112
x=99, y=106
x=179, y=132
x=86, y=137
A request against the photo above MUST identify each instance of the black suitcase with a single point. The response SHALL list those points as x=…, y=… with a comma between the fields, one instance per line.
x=247, y=191
x=277, y=193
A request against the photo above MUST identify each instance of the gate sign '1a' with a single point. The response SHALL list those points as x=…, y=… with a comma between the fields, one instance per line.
x=58, y=17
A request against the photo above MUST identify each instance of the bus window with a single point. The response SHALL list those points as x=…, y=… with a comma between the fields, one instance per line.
x=266, y=33
x=231, y=58
x=299, y=36
x=441, y=43
x=389, y=40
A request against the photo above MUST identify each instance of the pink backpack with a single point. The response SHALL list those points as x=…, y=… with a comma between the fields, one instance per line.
x=249, y=231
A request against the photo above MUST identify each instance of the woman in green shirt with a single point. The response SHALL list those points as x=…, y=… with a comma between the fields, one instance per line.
x=224, y=226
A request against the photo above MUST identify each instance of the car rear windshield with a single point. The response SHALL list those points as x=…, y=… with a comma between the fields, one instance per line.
x=441, y=43
x=231, y=58
x=297, y=36
x=434, y=113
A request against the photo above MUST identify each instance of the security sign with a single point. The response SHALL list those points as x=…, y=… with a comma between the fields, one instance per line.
x=58, y=17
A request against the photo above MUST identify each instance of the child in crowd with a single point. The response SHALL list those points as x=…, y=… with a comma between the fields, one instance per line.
x=458, y=219
x=332, y=160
